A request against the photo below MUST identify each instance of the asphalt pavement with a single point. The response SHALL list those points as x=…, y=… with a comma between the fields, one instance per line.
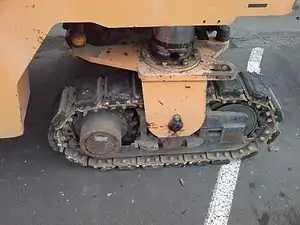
x=39, y=187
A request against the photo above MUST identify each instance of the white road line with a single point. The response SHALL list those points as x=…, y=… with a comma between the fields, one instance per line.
x=255, y=60
x=220, y=204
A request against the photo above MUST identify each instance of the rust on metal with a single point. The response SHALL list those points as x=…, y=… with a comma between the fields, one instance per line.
x=26, y=23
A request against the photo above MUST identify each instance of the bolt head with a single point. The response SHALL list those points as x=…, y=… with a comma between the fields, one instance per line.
x=185, y=62
x=225, y=68
x=211, y=67
x=164, y=63
x=262, y=138
x=176, y=118
x=203, y=156
x=217, y=154
x=267, y=132
x=241, y=151
x=195, y=156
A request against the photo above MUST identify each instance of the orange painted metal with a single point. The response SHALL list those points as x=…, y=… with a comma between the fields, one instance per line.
x=167, y=90
x=25, y=23
x=162, y=100
x=120, y=56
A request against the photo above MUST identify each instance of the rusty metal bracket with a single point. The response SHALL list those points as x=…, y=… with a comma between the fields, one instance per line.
x=135, y=57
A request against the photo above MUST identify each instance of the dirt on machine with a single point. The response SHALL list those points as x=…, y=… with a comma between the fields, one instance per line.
x=160, y=95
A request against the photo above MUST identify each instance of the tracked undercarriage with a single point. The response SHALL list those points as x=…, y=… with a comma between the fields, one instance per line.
x=107, y=120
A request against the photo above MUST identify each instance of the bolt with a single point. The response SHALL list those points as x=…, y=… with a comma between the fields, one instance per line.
x=224, y=101
x=262, y=138
x=267, y=132
x=148, y=160
x=195, y=156
x=157, y=159
x=124, y=160
x=164, y=63
x=217, y=154
x=268, y=113
x=269, y=120
x=171, y=158
x=226, y=154
x=62, y=138
x=250, y=147
x=70, y=120
x=185, y=62
x=176, y=118
x=225, y=68
x=241, y=151
x=211, y=67
x=203, y=156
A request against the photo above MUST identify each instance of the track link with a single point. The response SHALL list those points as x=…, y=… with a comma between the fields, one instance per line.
x=246, y=88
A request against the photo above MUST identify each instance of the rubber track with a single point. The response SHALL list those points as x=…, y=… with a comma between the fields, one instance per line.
x=179, y=160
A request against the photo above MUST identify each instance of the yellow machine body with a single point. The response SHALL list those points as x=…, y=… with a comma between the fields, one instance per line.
x=25, y=23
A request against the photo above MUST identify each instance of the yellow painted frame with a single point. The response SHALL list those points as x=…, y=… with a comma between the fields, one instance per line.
x=25, y=23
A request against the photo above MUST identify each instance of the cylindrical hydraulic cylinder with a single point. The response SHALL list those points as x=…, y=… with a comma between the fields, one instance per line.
x=175, y=35
x=173, y=43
